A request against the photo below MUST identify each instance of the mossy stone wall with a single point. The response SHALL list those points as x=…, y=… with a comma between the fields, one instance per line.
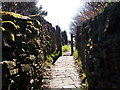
x=26, y=42
x=98, y=44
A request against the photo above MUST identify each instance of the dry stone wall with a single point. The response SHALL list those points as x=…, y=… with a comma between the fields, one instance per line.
x=98, y=44
x=28, y=46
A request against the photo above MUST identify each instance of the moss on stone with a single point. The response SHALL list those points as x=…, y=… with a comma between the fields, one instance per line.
x=9, y=25
x=0, y=21
x=29, y=22
x=26, y=41
x=2, y=29
x=8, y=35
x=10, y=15
x=38, y=23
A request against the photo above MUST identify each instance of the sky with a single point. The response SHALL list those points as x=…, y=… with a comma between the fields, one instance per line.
x=60, y=12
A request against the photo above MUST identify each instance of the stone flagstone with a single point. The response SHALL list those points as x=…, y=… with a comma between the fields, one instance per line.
x=64, y=74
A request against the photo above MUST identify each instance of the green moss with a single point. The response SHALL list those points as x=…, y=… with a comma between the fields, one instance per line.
x=24, y=42
x=10, y=15
x=49, y=58
x=12, y=36
x=49, y=61
x=2, y=29
x=38, y=23
x=79, y=64
x=0, y=20
x=55, y=54
x=85, y=85
x=77, y=60
x=18, y=27
x=9, y=25
x=83, y=75
x=31, y=27
x=75, y=54
x=48, y=64
x=29, y=22
x=8, y=35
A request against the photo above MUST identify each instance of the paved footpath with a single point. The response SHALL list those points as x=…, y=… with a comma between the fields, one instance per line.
x=64, y=74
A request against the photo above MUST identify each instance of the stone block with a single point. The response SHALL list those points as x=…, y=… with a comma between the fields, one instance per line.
x=14, y=71
x=9, y=64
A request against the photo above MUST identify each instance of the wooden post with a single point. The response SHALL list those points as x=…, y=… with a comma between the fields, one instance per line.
x=58, y=39
x=71, y=44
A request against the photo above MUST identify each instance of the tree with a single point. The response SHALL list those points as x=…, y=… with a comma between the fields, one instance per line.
x=24, y=8
x=90, y=10
x=75, y=22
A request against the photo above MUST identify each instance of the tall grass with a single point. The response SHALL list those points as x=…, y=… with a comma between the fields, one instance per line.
x=65, y=48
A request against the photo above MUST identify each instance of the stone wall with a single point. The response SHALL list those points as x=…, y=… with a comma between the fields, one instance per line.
x=29, y=45
x=98, y=44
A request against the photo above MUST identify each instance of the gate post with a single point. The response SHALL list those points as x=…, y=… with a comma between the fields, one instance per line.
x=71, y=44
x=58, y=39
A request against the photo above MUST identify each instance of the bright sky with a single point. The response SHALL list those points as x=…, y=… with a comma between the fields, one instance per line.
x=60, y=12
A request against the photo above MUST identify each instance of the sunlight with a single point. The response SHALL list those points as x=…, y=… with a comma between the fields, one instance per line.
x=60, y=12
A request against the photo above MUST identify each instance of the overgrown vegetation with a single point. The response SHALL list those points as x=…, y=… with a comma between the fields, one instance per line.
x=65, y=48
x=50, y=59
x=84, y=82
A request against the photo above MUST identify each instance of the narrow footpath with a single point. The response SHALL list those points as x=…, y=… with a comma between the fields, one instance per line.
x=64, y=73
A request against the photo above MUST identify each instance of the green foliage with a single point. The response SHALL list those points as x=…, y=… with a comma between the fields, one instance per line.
x=85, y=84
x=77, y=60
x=24, y=8
x=75, y=54
x=50, y=58
x=66, y=48
x=83, y=75
x=53, y=55
x=48, y=64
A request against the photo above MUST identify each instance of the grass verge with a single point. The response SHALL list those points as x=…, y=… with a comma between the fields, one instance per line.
x=84, y=81
x=65, y=48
